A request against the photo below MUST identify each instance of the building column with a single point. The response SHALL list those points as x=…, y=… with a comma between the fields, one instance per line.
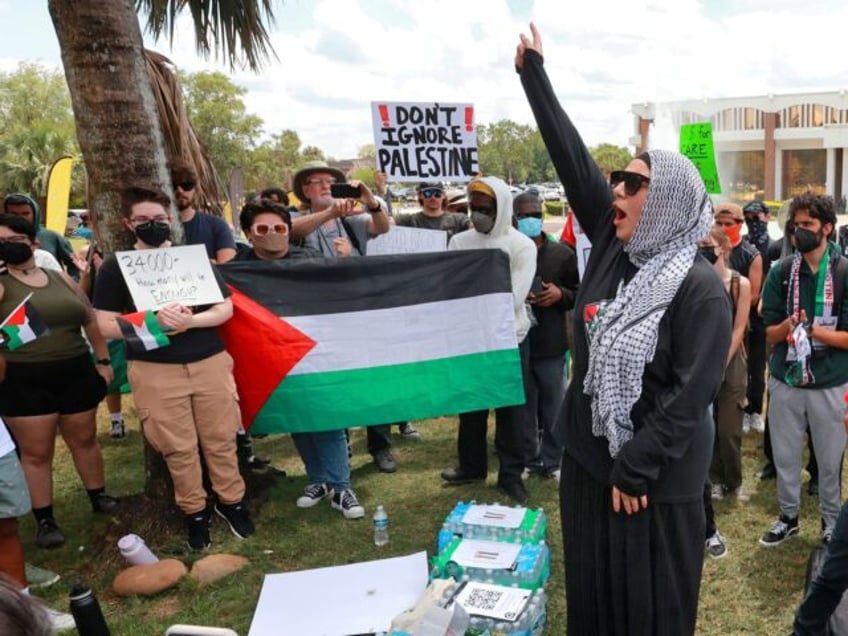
x=843, y=189
x=772, y=160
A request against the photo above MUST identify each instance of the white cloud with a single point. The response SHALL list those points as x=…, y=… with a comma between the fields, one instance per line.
x=336, y=56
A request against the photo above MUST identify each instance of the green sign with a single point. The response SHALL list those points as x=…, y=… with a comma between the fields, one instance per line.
x=696, y=142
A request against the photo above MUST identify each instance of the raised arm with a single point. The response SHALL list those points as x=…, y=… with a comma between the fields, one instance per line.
x=586, y=188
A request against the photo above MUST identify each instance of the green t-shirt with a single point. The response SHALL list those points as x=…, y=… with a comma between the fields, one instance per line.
x=450, y=222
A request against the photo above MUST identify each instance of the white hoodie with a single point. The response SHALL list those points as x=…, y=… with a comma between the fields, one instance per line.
x=520, y=249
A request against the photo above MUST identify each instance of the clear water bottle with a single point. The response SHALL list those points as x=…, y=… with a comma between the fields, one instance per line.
x=87, y=613
x=381, y=526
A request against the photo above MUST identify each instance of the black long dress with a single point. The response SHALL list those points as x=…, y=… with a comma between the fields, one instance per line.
x=637, y=574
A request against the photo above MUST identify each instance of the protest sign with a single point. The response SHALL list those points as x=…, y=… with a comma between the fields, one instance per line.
x=158, y=277
x=696, y=142
x=425, y=141
x=408, y=240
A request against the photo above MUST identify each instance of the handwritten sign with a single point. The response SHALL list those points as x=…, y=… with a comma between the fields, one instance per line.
x=167, y=275
x=696, y=142
x=425, y=141
x=408, y=240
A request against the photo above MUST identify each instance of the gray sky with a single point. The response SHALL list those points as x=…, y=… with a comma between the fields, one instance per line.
x=336, y=56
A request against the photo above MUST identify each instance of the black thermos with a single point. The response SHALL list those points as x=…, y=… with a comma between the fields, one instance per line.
x=87, y=613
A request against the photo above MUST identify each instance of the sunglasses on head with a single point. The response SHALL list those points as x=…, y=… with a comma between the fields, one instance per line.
x=261, y=229
x=185, y=186
x=633, y=181
x=431, y=193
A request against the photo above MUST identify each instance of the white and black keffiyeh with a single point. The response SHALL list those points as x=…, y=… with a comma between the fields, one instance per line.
x=677, y=214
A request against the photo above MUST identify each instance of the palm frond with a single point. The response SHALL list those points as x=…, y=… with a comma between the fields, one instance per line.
x=181, y=140
x=235, y=29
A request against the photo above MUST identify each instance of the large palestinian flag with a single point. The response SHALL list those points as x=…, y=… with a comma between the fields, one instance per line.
x=323, y=344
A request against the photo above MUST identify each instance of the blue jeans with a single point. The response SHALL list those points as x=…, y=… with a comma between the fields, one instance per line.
x=545, y=389
x=325, y=457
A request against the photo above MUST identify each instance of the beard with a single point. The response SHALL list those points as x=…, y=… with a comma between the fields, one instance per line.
x=184, y=203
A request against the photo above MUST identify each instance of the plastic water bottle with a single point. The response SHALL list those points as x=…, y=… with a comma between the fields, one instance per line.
x=381, y=526
x=135, y=551
x=86, y=612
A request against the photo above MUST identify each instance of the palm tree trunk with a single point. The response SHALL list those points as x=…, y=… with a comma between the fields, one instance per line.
x=115, y=111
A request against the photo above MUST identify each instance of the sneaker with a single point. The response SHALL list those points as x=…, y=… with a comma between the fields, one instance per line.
x=757, y=423
x=384, y=461
x=746, y=423
x=237, y=517
x=767, y=472
x=716, y=546
x=198, y=530
x=104, y=503
x=408, y=431
x=59, y=621
x=118, y=431
x=826, y=534
x=37, y=577
x=554, y=474
x=348, y=504
x=459, y=476
x=740, y=495
x=717, y=491
x=312, y=494
x=48, y=534
x=780, y=531
x=514, y=489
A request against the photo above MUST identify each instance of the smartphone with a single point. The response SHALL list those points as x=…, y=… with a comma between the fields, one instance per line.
x=536, y=286
x=344, y=191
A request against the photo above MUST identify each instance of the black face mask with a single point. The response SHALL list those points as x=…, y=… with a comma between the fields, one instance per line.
x=709, y=254
x=153, y=233
x=15, y=253
x=807, y=240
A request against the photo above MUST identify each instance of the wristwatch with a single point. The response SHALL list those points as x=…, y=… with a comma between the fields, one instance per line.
x=104, y=361
x=376, y=209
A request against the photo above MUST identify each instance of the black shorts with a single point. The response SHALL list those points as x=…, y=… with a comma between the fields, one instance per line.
x=42, y=388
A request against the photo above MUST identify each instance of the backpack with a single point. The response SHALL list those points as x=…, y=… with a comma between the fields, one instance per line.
x=839, y=275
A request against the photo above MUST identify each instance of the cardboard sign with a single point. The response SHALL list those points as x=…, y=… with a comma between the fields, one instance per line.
x=159, y=277
x=425, y=141
x=696, y=142
x=408, y=240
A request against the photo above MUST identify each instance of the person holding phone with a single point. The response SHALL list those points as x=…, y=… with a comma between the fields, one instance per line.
x=551, y=296
x=651, y=334
x=330, y=223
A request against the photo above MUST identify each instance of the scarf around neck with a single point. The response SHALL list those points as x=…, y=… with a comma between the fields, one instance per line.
x=676, y=215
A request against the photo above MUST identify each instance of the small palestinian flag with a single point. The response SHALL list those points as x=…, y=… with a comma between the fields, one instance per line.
x=142, y=332
x=23, y=325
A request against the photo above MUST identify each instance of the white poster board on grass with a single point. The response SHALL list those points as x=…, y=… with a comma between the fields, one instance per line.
x=165, y=275
x=360, y=598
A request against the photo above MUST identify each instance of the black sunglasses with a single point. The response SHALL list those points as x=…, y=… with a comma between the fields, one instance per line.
x=185, y=186
x=633, y=181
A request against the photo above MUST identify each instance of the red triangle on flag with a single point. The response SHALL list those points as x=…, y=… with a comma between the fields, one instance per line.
x=264, y=348
x=18, y=317
x=137, y=318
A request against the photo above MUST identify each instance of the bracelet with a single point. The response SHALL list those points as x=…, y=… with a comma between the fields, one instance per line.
x=376, y=209
x=104, y=361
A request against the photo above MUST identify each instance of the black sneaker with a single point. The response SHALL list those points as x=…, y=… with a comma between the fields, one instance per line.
x=780, y=531
x=767, y=472
x=198, y=530
x=384, y=461
x=48, y=534
x=347, y=503
x=237, y=517
x=118, y=431
x=459, y=476
x=514, y=489
x=104, y=503
x=716, y=546
x=312, y=494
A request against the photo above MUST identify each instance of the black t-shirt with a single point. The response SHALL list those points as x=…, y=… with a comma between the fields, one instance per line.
x=111, y=294
x=670, y=451
x=210, y=231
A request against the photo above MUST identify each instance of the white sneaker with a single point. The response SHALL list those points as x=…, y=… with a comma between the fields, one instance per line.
x=717, y=491
x=60, y=621
x=746, y=423
x=757, y=423
x=555, y=474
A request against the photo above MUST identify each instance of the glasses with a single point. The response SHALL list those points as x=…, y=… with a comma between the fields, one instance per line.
x=185, y=186
x=324, y=181
x=431, y=193
x=141, y=220
x=261, y=229
x=633, y=181
x=14, y=239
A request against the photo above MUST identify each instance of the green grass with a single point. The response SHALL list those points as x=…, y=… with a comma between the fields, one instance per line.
x=752, y=591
